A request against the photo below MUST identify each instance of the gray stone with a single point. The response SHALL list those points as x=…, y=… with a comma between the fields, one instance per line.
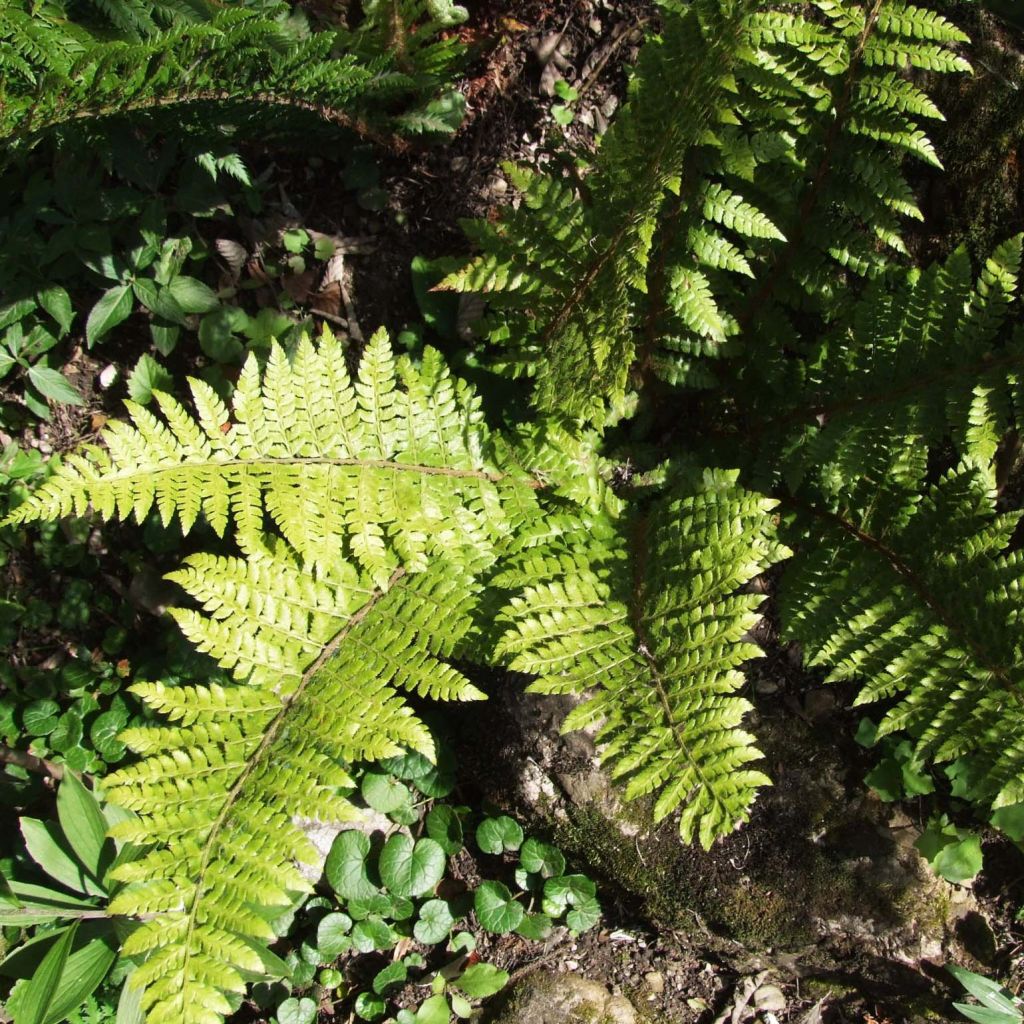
x=549, y=998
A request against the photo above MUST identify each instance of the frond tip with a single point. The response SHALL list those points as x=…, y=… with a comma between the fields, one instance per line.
x=655, y=640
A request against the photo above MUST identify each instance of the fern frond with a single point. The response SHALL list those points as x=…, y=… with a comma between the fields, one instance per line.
x=389, y=468
x=917, y=599
x=654, y=641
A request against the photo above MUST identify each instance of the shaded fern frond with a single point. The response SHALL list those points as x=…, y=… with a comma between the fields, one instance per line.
x=919, y=599
x=653, y=637
x=916, y=363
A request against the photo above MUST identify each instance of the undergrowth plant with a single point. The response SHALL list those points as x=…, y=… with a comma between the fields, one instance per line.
x=737, y=374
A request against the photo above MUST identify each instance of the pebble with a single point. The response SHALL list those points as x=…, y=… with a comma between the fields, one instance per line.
x=655, y=982
x=769, y=998
x=108, y=375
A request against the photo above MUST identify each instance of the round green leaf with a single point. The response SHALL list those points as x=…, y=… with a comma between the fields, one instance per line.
x=569, y=889
x=534, y=927
x=583, y=916
x=960, y=861
x=481, y=980
x=434, y=924
x=496, y=835
x=433, y=1011
x=461, y=1007
x=296, y=1011
x=346, y=866
x=384, y=793
x=332, y=938
x=40, y=717
x=369, y=1006
x=496, y=909
x=371, y=934
x=411, y=868
x=444, y=826
x=541, y=858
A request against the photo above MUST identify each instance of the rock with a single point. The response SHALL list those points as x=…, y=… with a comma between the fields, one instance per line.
x=549, y=998
x=770, y=998
x=655, y=982
x=322, y=837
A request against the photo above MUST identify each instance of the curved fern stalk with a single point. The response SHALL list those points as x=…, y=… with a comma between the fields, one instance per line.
x=654, y=639
x=240, y=61
x=388, y=469
x=920, y=600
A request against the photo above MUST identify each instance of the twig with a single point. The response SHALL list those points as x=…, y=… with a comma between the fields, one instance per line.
x=31, y=763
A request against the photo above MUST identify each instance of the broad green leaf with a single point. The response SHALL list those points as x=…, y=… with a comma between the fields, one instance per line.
x=960, y=861
x=384, y=793
x=54, y=385
x=148, y=376
x=346, y=866
x=296, y=1011
x=584, y=915
x=332, y=934
x=481, y=980
x=496, y=835
x=47, y=847
x=56, y=301
x=369, y=1006
x=535, y=927
x=567, y=890
x=993, y=995
x=1010, y=820
x=411, y=868
x=40, y=717
x=433, y=1010
x=496, y=909
x=371, y=934
x=114, y=306
x=84, y=971
x=461, y=1006
x=541, y=858
x=444, y=826
x=193, y=296
x=84, y=825
x=392, y=975
x=37, y=997
x=129, y=1005
x=434, y=924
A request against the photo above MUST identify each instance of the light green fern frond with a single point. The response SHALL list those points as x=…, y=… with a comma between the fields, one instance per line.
x=653, y=639
x=322, y=662
x=390, y=468
x=919, y=601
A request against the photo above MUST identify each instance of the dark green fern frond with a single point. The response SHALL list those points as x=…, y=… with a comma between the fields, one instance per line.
x=929, y=359
x=918, y=599
x=567, y=271
x=653, y=638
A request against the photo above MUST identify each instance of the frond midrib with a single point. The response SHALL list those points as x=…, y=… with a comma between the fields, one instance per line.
x=263, y=748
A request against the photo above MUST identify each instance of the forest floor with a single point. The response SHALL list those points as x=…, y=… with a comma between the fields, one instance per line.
x=823, y=889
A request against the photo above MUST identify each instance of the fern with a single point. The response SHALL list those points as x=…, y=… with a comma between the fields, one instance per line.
x=919, y=599
x=653, y=640
x=194, y=65
x=700, y=245
x=389, y=496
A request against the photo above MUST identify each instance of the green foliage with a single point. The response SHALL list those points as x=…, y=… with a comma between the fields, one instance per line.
x=642, y=615
x=998, y=1005
x=720, y=169
x=200, y=61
